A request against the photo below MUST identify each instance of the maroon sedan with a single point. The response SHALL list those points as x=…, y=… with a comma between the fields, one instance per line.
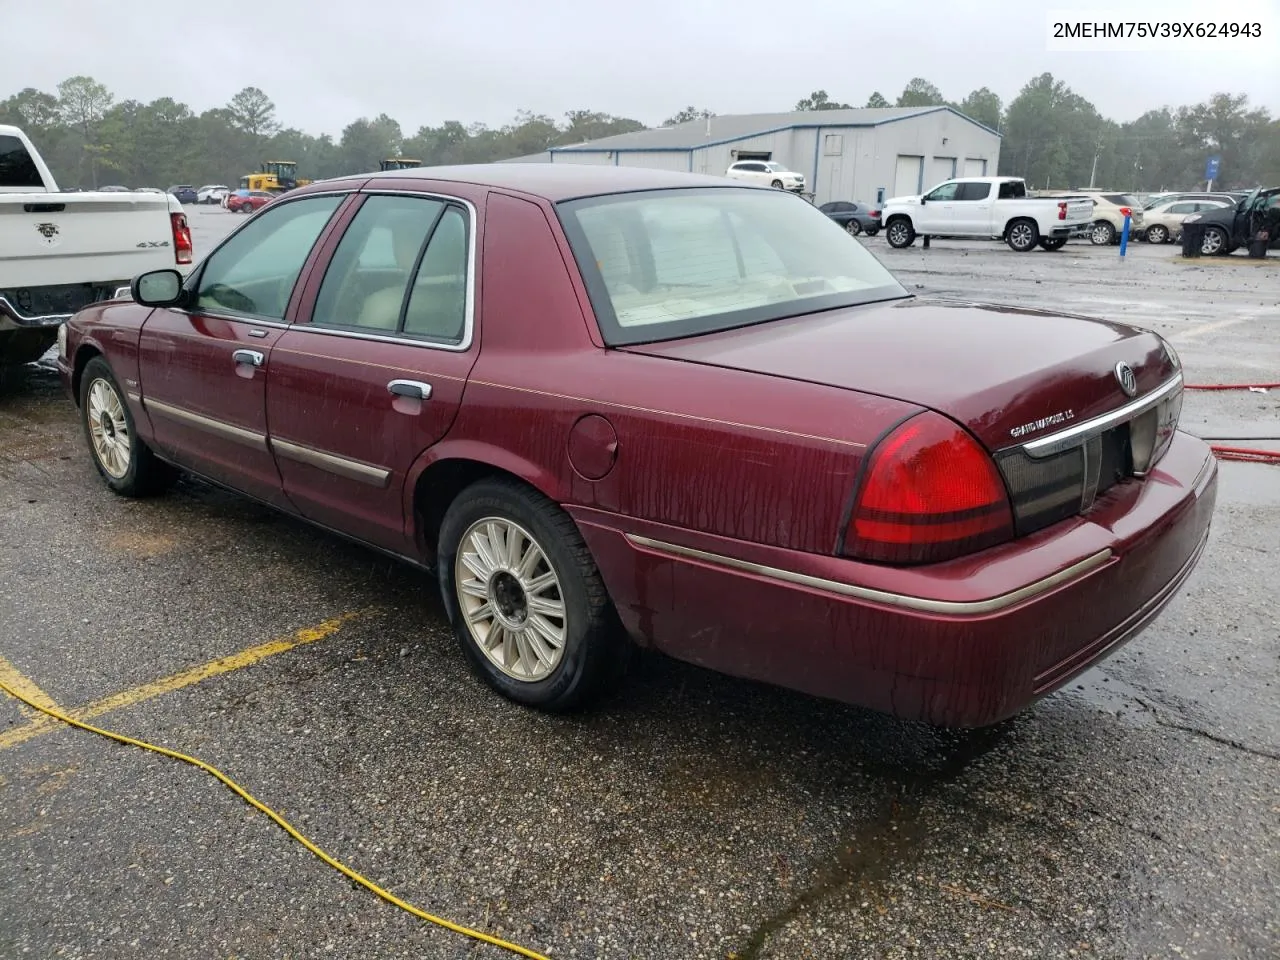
x=610, y=405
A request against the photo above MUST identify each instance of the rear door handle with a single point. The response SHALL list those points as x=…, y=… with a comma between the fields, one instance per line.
x=410, y=388
x=252, y=357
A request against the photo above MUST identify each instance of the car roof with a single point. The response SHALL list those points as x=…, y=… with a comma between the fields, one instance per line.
x=561, y=181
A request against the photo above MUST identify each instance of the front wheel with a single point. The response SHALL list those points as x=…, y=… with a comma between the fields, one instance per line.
x=777, y=184
x=1102, y=233
x=1022, y=236
x=900, y=233
x=1157, y=233
x=125, y=462
x=524, y=596
x=1214, y=243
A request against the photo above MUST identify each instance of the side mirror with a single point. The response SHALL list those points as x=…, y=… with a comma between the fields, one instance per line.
x=922, y=199
x=157, y=288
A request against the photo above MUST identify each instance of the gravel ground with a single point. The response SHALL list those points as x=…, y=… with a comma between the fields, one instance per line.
x=1134, y=815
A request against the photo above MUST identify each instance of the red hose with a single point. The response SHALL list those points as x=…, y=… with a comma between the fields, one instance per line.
x=1242, y=454
x=1246, y=454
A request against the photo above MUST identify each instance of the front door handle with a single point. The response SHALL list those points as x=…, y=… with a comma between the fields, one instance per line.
x=252, y=357
x=410, y=388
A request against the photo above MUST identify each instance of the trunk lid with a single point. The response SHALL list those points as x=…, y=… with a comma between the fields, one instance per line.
x=1009, y=374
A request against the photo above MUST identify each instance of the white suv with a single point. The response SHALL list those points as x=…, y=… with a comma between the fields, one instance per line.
x=768, y=173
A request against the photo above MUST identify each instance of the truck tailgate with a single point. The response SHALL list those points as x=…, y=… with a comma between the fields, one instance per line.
x=1079, y=210
x=48, y=239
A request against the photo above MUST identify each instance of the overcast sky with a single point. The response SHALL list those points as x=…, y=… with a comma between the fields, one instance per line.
x=326, y=62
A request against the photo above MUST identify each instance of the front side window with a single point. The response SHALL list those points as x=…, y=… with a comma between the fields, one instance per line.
x=947, y=191
x=254, y=272
x=401, y=267
x=672, y=263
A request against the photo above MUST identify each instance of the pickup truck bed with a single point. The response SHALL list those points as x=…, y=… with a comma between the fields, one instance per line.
x=60, y=252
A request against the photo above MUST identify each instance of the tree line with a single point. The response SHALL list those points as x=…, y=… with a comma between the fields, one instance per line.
x=1052, y=136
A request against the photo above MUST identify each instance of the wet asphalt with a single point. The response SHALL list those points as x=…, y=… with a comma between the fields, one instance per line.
x=1135, y=814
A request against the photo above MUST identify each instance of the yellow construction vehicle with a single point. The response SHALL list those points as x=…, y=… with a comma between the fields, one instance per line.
x=276, y=176
x=399, y=163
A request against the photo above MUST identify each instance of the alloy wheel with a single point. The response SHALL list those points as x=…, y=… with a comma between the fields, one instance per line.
x=511, y=599
x=108, y=429
x=1022, y=236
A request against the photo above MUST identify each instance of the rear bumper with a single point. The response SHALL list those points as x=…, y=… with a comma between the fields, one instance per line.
x=962, y=644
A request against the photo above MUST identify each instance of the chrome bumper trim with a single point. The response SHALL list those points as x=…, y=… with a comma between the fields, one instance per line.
x=12, y=319
x=922, y=604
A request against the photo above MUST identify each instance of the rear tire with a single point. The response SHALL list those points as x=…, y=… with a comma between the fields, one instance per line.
x=900, y=233
x=1022, y=235
x=853, y=228
x=122, y=458
x=538, y=627
x=1157, y=234
x=1053, y=243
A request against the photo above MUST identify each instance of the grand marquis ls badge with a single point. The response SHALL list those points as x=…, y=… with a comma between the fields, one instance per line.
x=1125, y=377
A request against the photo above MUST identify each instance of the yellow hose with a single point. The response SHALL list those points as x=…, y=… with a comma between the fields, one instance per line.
x=281, y=822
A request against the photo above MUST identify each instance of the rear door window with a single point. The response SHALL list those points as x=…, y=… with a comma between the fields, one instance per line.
x=17, y=169
x=974, y=191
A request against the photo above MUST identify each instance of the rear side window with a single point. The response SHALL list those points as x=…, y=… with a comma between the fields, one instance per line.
x=1121, y=200
x=974, y=191
x=17, y=169
x=1012, y=190
x=401, y=267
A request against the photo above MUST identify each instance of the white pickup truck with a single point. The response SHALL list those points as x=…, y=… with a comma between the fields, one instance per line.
x=63, y=251
x=989, y=208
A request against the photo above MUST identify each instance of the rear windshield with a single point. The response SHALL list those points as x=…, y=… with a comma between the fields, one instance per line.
x=17, y=169
x=1121, y=200
x=674, y=263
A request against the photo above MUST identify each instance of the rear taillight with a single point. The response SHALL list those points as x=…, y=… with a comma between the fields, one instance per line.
x=182, y=248
x=1062, y=211
x=875, y=213
x=930, y=492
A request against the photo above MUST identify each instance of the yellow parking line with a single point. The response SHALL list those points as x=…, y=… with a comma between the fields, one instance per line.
x=147, y=691
x=14, y=678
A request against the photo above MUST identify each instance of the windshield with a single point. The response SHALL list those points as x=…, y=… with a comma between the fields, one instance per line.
x=674, y=263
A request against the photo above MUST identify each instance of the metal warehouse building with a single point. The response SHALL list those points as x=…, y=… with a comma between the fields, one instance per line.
x=864, y=155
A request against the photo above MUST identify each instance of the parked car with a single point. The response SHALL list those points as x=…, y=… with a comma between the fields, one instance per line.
x=1229, y=228
x=185, y=193
x=1160, y=200
x=248, y=201
x=1107, y=224
x=856, y=218
x=212, y=193
x=62, y=250
x=688, y=411
x=991, y=208
x=1164, y=222
x=767, y=173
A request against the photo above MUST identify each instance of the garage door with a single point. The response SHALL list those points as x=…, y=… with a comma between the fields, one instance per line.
x=910, y=172
x=940, y=168
x=975, y=168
